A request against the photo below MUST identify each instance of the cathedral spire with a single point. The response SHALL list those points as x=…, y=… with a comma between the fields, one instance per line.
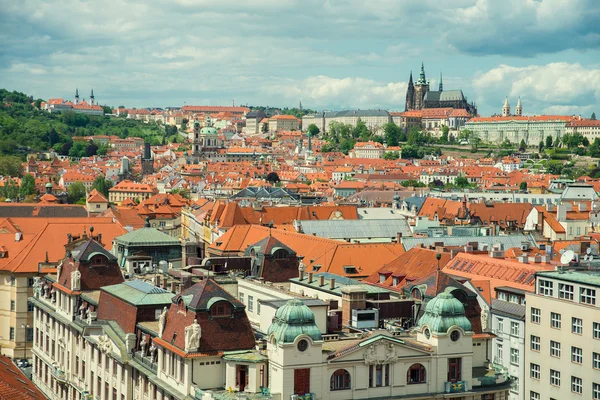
x=422, y=80
x=441, y=84
x=410, y=80
x=410, y=95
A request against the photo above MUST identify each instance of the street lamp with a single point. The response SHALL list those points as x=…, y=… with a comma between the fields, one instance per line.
x=26, y=327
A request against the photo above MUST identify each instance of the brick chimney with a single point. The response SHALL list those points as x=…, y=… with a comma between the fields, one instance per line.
x=310, y=277
x=321, y=280
x=354, y=297
x=332, y=283
x=173, y=287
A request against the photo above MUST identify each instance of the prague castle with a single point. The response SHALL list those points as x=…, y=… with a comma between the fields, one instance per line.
x=418, y=96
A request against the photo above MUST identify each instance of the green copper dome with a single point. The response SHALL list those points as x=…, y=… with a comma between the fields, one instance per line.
x=292, y=320
x=208, y=130
x=443, y=312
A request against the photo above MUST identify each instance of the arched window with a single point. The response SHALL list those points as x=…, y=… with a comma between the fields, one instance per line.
x=416, y=294
x=340, y=380
x=181, y=306
x=416, y=374
x=221, y=309
x=280, y=255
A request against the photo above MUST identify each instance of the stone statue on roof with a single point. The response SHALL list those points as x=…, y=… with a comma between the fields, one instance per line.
x=162, y=319
x=192, y=336
x=75, y=280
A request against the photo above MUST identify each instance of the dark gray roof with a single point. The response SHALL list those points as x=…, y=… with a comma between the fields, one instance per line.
x=257, y=114
x=508, y=309
x=446, y=95
x=264, y=192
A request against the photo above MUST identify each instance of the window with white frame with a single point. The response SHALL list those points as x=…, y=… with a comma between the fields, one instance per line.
x=576, y=385
x=555, y=320
x=250, y=303
x=554, y=348
x=534, y=395
x=545, y=288
x=499, y=353
x=241, y=296
x=535, y=343
x=596, y=330
x=514, y=356
x=576, y=355
x=554, y=377
x=596, y=360
x=534, y=371
x=515, y=384
x=500, y=324
x=577, y=325
x=565, y=291
x=595, y=391
x=514, y=328
x=587, y=296
x=536, y=315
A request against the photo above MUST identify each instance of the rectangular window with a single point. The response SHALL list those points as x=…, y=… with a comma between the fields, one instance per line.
x=534, y=371
x=258, y=307
x=535, y=343
x=29, y=306
x=250, y=303
x=514, y=328
x=576, y=385
x=587, y=296
x=499, y=353
x=241, y=295
x=577, y=325
x=576, y=355
x=12, y=305
x=536, y=315
x=554, y=349
x=596, y=330
x=596, y=360
x=595, y=391
x=12, y=333
x=500, y=325
x=565, y=291
x=555, y=320
x=554, y=377
x=534, y=396
x=514, y=356
x=30, y=282
x=545, y=288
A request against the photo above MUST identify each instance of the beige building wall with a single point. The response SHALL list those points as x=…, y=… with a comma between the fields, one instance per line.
x=14, y=293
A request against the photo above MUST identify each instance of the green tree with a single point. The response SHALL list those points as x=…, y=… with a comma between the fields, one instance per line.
x=265, y=127
x=523, y=186
x=361, y=131
x=76, y=193
x=541, y=146
x=391, y=133
x=78, y=149
x=346, y=145
x=548, y=141
x=391, y=155
x=593, y=116
x=413, y=183
x=313, y=130
x=444, y=138
x=10, y=189
x=11, y=166
x=461, y=182
x=27, y=185
x=107, y=109
x=595, y=148
x=182, y=192
x=102, y=185
x=103, y=150
x=522, y=145
x=272, y=177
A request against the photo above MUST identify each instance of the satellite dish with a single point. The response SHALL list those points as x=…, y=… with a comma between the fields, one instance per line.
x=567, y=257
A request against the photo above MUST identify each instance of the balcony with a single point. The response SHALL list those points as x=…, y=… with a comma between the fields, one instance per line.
x=59, y=375
x=492, y=375
x=455, y=387
x=307, y=396
x=146, y=361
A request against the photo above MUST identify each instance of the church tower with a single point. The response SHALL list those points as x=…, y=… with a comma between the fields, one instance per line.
x=519, y=108
x=441, y=89
x=421, y=88
x=92, y=99
x=506, y=108
x=410, y=95
x=76, y=96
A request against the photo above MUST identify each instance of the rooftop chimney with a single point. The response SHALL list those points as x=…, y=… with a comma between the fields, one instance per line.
x=310, y=277
x=332, y=283
x=173, y=287
x=321, y=280
x=353, y=298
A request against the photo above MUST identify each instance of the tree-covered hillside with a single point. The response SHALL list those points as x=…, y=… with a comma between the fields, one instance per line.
x=24, y=128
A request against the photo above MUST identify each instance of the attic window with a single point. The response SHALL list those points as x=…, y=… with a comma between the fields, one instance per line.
x=316, y=267
x=98, y=261
x=221, y=309
x=381, y=278
x=181, y=306
x=280, y=254
x=350, y=269
x=416, y=294
x=219, y=244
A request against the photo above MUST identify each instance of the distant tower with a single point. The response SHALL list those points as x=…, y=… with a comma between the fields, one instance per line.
x=421, y=89
x=300, y=106
x=506, y=108
x=92, y=99
x=519, y=108
x=147, y=161
x=441, y=84
x=410, y=95
x=76, y=96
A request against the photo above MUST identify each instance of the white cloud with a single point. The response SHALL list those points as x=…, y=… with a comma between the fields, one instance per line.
x=555, y=87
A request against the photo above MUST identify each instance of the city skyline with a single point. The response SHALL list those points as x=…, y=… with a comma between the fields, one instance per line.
x=329, y=55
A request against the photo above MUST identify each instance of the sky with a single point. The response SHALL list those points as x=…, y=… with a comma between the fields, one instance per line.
x=327, y=54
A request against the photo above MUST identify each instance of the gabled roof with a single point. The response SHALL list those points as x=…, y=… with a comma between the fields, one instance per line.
x=96, y=197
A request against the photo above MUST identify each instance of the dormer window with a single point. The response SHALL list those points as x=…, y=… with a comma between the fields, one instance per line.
x=98, y=261
x=280, y=254
x=181, y=306
x=221, y=309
